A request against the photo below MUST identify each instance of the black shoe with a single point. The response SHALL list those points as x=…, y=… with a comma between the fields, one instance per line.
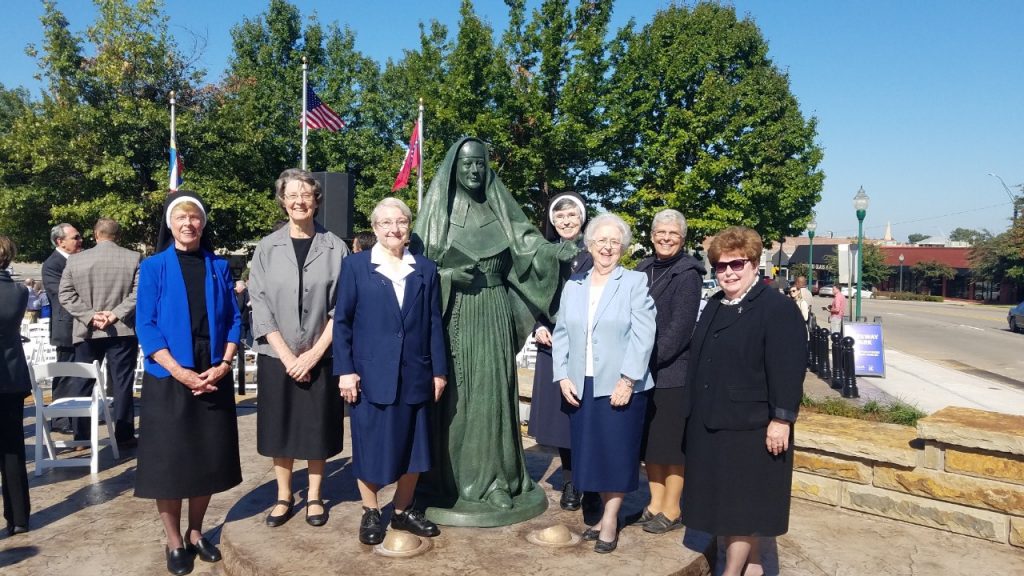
x=179, y=561
x=128, y=443
x=414, y=521
x=571, y=497
x=642, y=519
x=589, y=535
x=602, y=547
x=14, y=529
x=371, y=531
x=661, y=524
x=206, y=551
x=316, y=519
x=275, y=521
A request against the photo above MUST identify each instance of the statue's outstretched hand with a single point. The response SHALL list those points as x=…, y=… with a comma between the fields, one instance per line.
x=566, y=251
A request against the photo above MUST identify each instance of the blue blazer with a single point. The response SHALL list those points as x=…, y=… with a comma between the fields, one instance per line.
x=383, y=343
x=161, y=310
x=622, y=334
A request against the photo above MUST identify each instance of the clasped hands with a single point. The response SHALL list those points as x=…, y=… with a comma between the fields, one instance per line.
x=202, y=382
x=103, y=319
x=621, y=396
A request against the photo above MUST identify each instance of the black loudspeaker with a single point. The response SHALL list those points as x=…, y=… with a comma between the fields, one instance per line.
x=338, y=195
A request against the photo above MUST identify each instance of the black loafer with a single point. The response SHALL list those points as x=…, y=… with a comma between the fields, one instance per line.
x=571, y=497
x=179, y=561
x=602, y=547
x=371, y=531
x=15, y=529
x=589, y=535
x=414, y=521
x=661, y=524
x=275, y=521
x=206, y=551
x=316, y=519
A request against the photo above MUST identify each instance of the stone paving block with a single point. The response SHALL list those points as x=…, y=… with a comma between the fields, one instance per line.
x=1017, y=531
x=857, y=438
x=994, y=465
x=817, y=488
x=975, y=429
x=832, y=467
x=932, y=513
x=933, y=456
x=965, y=490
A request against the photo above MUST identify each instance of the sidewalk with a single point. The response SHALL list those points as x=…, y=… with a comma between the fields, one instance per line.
x=92, y=525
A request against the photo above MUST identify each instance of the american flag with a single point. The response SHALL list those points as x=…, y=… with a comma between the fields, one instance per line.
x=320, y=115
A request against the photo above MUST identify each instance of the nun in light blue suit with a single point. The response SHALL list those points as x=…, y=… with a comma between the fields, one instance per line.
x=601, y=347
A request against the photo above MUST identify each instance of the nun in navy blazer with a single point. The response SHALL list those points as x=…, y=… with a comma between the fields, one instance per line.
x=389, y=351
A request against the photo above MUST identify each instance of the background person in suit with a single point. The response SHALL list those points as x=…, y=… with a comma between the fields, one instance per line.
x=602, y=346
x=98, y=289
x=742, y=396
x=14, y=387
x=188, y=324
x=292, y=287
x=390, y=382
x=66, y=241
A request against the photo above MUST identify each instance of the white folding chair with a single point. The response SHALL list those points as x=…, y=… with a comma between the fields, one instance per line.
x=38, y=331
x=93, y=407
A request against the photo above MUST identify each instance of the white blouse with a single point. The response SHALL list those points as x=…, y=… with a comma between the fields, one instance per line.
x=393, y=269
x=595, y=298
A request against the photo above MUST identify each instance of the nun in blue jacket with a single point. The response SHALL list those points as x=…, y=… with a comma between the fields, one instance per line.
x=188, y=325
x=601, y=347
x=389, y=351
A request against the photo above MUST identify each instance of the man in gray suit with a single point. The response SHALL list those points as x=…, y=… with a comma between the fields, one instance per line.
x=98, y=289
x=66, y=241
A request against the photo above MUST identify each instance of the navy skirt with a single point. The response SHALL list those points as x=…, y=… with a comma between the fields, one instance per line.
x=606, y=442
x=389, y=440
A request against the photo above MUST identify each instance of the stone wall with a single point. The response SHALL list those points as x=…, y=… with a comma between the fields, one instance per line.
x=960, y=470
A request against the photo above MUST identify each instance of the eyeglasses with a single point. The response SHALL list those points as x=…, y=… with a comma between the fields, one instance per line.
x=734, y=265
x=385, y=224
x=609, y=242
x=305, y=197
x=570, y=217
x=667, y=234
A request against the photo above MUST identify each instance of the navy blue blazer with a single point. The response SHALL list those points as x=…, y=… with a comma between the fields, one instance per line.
x=161, y=310
x=383, y=343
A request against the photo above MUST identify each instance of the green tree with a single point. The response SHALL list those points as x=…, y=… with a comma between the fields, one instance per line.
x=702, y=121
x=930, y=271
x=916, y=237
x=970, y=236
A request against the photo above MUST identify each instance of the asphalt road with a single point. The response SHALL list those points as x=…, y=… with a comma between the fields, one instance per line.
x=971, y=338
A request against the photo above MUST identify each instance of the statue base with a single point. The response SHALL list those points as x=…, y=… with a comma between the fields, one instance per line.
x=483, y=515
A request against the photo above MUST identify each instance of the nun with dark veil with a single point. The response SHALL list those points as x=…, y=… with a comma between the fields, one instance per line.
x=498, y=273
x=188, y=325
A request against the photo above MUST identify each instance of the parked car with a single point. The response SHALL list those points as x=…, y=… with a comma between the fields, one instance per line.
x=865, y=293
x=709, y=289
x=827, y=290
x=1015, y=318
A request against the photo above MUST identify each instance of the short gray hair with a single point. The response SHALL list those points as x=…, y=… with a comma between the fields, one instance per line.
x=303, y=176
x=390, y=202
x=669, y=215
x=57, y=232
x=608, y=218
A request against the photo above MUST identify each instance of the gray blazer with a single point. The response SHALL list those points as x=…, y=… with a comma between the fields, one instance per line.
x=105, y=277
x=274, y=289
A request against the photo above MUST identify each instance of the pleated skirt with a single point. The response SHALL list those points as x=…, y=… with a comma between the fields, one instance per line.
x=606, y=442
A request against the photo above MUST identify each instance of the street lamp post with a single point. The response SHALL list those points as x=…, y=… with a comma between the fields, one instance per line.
x=860, y=204
x=1013, y=199
x=901, y=271
x=811, y=227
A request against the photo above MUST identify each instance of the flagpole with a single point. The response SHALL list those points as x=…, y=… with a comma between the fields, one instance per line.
x=172, y=116
x=305, y=129
x=419, y=160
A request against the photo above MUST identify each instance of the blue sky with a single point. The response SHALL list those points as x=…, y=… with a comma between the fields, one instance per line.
x=917, y=101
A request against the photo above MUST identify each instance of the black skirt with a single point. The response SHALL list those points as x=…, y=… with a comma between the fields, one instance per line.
x=298, y=419
x=188, y=445
x=663, y=428
x=549, y=420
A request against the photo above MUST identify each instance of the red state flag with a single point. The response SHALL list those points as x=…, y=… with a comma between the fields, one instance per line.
x=412, y=159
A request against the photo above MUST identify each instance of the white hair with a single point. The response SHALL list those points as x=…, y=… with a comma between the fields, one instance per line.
x=608, y=218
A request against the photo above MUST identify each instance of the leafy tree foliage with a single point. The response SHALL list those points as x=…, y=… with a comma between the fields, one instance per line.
x=702, y=121
x=970, y=236
x=916, y=237
x=930, y=271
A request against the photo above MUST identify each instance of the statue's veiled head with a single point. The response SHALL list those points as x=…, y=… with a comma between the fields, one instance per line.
x=471, y=166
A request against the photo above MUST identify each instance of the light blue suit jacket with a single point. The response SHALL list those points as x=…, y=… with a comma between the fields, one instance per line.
x=622, y=334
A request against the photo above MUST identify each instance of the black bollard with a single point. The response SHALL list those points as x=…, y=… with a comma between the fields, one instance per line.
x=850, y=384
x=837, y=361
x=812, y=348
x=824, y=371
